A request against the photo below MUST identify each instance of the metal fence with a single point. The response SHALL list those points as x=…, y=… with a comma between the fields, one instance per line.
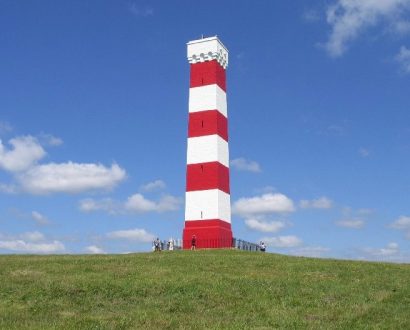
x=240, y=244
x=177, y=244
x=208, y=243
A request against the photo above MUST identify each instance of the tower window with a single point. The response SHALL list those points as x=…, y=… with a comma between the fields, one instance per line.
x=202, y=168
x=201, y=215
x=202, y=124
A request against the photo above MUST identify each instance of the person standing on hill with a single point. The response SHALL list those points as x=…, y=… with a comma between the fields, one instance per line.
x=171, y=244
x=193, y=243
x=157, y=245
x=262, y=246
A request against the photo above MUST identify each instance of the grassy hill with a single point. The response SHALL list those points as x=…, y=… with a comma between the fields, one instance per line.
x=201, y=289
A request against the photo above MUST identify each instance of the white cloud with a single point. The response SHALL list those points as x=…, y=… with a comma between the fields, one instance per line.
x=93, y=249
x=168, y=203
x=31, y=242
x=390, y=250
x=39, y=218
x=242, y=164
x=265, y=204
x=264, y=226
x=137, y=235
x=70, y=178
x=141, y=11
x=319, y=203
x=364, y=152
x=351, y=223
x=106, y=204
x=355, y=219
x=349, y=18
x=153, y=186
x=390, y=253
x=22, y=160
x=138, y=203
x=401, y=27
x=22, y=246
x=403, y=58
x=25, y=152
x=8, y=188
x=33, y=236
x=402, y=223
x=283, y=241
x=50, y=140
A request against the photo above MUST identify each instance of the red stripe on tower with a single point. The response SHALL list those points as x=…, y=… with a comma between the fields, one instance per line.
x=207, y=199
x=208, y=73
x=206, y=176
x=208, y=122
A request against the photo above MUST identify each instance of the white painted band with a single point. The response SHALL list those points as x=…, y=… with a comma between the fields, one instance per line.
x=209, y=148
x=209, y=97
x=207, y=205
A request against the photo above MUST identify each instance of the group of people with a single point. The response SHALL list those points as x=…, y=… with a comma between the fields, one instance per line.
x=158, y=246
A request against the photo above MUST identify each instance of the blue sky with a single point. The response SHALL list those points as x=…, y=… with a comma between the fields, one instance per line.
x=93, y=124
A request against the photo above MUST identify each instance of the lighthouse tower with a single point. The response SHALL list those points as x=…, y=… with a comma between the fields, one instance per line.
x=207, y=201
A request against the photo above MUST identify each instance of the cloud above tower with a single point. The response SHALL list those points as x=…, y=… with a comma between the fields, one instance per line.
x=25, y=151
x=319, y=203
x=30, y=242
x=70, y=178
x=350, y=18
x=243, y=164
x=265, y=204
x=136, y=203
x=264, y=226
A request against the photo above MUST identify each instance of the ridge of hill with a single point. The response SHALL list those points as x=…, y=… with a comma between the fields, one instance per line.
x=203, y=289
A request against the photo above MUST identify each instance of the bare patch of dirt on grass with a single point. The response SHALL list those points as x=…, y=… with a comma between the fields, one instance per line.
x=67, y=314
x=321, y=275
x=382, y=295
x=26, y=273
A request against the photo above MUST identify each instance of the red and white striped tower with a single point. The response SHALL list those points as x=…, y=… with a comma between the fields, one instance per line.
x=207, y=201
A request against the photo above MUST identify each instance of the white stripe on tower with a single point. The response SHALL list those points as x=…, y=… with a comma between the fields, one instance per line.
x=209, y=148
x=210, y=97
x=213, y=203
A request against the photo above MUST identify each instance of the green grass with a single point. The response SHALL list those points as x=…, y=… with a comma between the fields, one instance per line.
x=215, y=289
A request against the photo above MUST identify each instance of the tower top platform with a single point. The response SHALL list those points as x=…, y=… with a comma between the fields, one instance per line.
x=207, y=49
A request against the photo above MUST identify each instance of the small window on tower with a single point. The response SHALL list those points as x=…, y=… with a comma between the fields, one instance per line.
x=202, y=124
x=201, y=214
x=202, y=168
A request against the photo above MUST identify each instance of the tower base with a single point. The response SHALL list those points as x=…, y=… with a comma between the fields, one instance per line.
x=209, y=234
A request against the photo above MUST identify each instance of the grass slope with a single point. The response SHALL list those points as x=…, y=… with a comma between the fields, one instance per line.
x=201, y=289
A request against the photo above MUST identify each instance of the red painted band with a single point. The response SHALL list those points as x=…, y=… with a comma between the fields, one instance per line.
x=207, y=223
x=204, y=176
x=208, y=73
x=208, y=122
x=208, y=234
